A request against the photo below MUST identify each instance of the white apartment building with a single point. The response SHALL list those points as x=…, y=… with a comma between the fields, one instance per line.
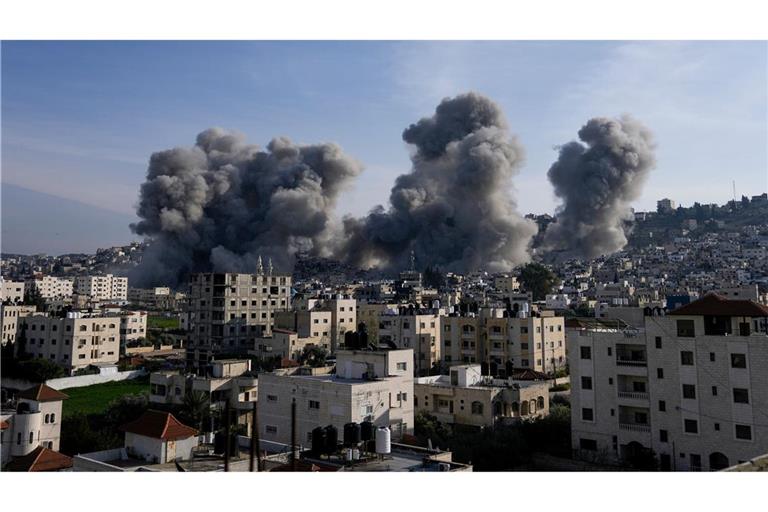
x=50, y=287
x=10, y=315
x=313, y=325
x=11, y=292
x=133, y=327
x=158, y=297
x=466, y=397
x=74, y=342
x=343, y=310
x=286, y=344
x=33, y=421
x=529, y=341
x=688, y=386
x=227, y=312
x=106, y=287
x=369, y=385
x=416, y=329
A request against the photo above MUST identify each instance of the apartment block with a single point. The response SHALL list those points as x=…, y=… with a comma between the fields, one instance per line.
x=74, y=342
x=159, y=297
x=417, y=329
x=133, y=327
x=369, y=385
x=286, y=344
x=314, y=325
x=12, y=292
x=227, y=312
x=10, y=316
x=466, y=397
x=106, y=287
x=687, y=387
x=50, y=287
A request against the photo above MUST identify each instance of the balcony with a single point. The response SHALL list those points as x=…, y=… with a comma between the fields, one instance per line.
x=626, y=361
x=633, y=395
x=634, y=427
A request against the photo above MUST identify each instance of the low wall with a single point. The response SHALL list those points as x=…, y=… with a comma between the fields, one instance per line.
x=88, y=380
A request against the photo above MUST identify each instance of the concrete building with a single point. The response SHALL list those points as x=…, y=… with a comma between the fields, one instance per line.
x=226, y=380
x=506, y=284
x=466, y=397
x=665, y=205
x=10, y=315
x=529, y=341
x=286, y=344
x=133, y=327
x=11, y=292
x=417, y=329
x=312, y=325
x=32, y=421
x=156, y=298
x=373, y=385
x=227, y=312
x=102, y=288
x=688, y=387
x=74, y=342
x=50, y=287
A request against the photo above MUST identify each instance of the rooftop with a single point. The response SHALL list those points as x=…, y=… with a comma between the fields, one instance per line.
x=42, y=393
x=159, y=425
x=713, y=304
x=40, y=459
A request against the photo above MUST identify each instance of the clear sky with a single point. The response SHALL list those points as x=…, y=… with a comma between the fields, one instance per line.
x=80, y=119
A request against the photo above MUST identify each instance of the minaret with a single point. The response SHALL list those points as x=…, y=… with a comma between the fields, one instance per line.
x=259, y=266
x=271, y=268
x=413, y=261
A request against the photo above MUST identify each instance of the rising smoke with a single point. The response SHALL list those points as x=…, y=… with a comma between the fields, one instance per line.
x=221, y=203
x=596, y=180
x=455, y=208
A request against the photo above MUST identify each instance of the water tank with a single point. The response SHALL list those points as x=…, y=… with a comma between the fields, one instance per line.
x=318, y=441
x=331, y=439
x=351, y=434
x=367, y=431
x=355, y=454
x=383, y=441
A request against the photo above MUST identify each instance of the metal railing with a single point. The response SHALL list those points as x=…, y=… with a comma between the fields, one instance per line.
x=630, y=362
x=633, y=395
x=634, y=427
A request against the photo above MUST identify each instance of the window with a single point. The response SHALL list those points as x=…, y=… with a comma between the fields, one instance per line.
x=587, y=414
x=586, y=383
x=610, y=381
x=610, y=351
x=695, y=462
x=659, y=373
x=402, y=366
x=658, y=341
x=689, y=391
x=685, y=329
x=271, y=398
x=740, y=395
x=477, y=408
x=586, y=352
x=691, y=426
x=714, y=390
x=271, y=429
x=588, y=444
x=662, y=405
x=314, y=404
x=663, y=436
x=523, y=346
x=686, y=358
x=47, y=418
x=712, y=357
x=31, y=437
x=53, y=417
x=717, y=427
x=738, y=361
x=18, y=438
x=744, y=432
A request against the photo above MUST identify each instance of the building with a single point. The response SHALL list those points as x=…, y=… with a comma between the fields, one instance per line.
x=32, y=421
x=50, y=287
x=506, y=284
x=133, y=328
x=687, y=387
x=369, y=385
x=417, y=329
x=286, y=344
x=315, y=326
x=11, y=292
x=102, y=288
x=10, y=316
x=466, y=397
x=156, y=298
x=227, y=312
x=40, y=459
x=665, y=205
x=226, y=380
x=74, y=342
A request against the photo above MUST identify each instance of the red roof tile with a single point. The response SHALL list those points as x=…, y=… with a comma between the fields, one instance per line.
x=40, y=459
x=43, y=393
x=4, y=425
x=717, y=305
x=159, y=425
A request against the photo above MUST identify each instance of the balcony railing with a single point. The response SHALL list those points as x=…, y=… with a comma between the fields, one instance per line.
x=634, y=395
x=631, y=362
x=634, y=427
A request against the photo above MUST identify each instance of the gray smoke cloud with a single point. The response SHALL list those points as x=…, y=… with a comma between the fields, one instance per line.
x=597, y=179
x=454, y=209
x=221, y=203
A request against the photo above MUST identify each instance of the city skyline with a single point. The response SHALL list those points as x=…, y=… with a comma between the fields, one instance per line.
x=82, y=121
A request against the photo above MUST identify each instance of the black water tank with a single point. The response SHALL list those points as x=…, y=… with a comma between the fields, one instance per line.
x=331, y=439
x=318, y=441
x=351, y=435
x=367, y=431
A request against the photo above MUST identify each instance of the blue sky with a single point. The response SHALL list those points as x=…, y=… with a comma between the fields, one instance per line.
x=80, y=119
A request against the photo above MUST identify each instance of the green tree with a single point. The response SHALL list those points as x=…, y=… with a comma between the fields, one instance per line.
x=195, y=409
x=538, y=279
x=32, y=297
x=313, y=356
x=37, y=370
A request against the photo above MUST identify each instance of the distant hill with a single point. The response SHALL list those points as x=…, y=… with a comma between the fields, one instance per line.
x=34, y=222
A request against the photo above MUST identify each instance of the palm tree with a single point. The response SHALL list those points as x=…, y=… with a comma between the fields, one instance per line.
x=195, y=407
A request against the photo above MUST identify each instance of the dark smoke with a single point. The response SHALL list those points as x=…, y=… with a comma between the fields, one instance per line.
x=221, y=203
x=596, y=179
x=454, y=209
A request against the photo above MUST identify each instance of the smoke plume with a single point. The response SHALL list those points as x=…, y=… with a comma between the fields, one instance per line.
x=454, y=209
x=221, y=203
x=596, y=180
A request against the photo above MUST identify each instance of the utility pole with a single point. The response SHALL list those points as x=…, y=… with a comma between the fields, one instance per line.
x=293, y=435
x=255, y=448
x=226, y=436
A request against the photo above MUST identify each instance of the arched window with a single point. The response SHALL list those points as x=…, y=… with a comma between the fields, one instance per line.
x=497, y=408
x=47, y=418
x=477, y=407
x=515, y=408
x=524, y=408
x=31, y=437
x=53, y=417
x=540, y=402
x=717, y=461
x=533, y=406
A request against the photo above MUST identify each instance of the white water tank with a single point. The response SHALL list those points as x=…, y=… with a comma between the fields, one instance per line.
x=383, y=441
